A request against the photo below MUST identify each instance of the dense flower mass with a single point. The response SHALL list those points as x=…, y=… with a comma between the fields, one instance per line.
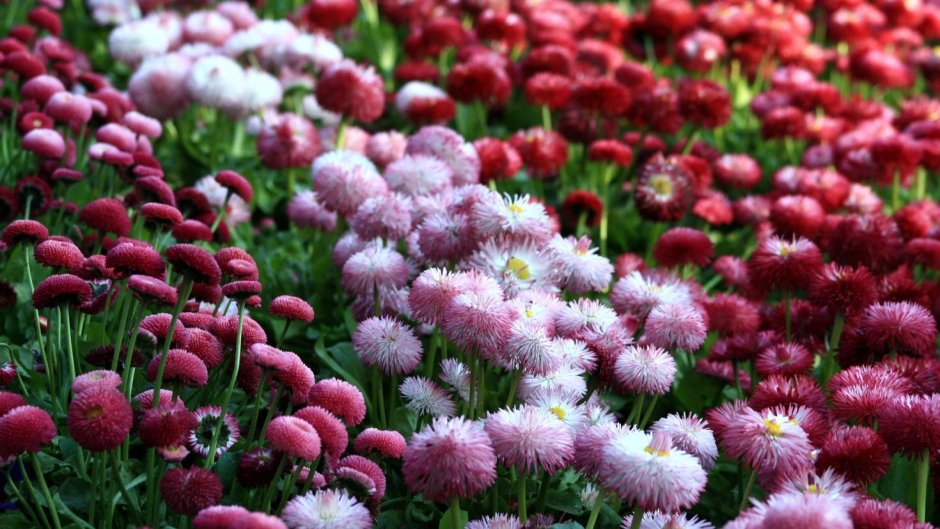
x=491, y=265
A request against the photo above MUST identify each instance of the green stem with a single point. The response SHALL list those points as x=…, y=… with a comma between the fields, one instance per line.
x=221, y=214
x=637, y=518
x=32, y=491
x=456, y=522
x=185, y=289
x=516, y=377
x=649, y=412
x=747, y=490
x=378, y=397
x=272, y=488
x=24, y=505
x=546, y=118
x=637, y=407
x=831, y=365
x=227, y=396
x=923, y=473
x=596, y=510
x=896, y=191
x=283, y=333
x=289, y=486
x=39, y=338
x=430, y=359
x=256, y=408
x=34, y=460
x=521, y=497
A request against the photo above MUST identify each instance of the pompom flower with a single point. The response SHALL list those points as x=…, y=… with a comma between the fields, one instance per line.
x=676, y=326
x=387, y=345
x=450, y=458
x=25, y=429
x=295, y=437
x=340, y=398
x=189, y=490
x=388, y=443
x=100, y=418
x=530, y=438
x=326, y=509
x=645, y=369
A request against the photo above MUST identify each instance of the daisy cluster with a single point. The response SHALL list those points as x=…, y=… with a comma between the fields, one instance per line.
x=654, y=266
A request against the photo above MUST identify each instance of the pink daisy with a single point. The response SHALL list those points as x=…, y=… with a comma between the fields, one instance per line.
x=676, y=327
x=645, y=369
x=530, y=438
x=387, y=345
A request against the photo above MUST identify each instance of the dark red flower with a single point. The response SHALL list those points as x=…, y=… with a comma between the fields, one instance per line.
x=548, y=89
x=856, y=452
x=241, y=290
x=152, y=290
x=189, y=490
x=581, y=202
x=704, y=103
x=57, y=253
x=35, y=192
x=167, y=424
x=24, y=231
x=909, y=424
x=257, y=467
x=129, y=258
x=151, y=189
x=783, y=264
x=163, y=215
x=601, y=95
x=479, y=79
x=543, y=152
x=663, y=190
x=870, y=513
x=349, y=89
x=106, y=215
x=873, y=241
x=191, y=230
x=329, y=14
x=182, y=367
x=680, y=246
x=225, y=329
x=194, y=263
x=842, y=289
x=611, y=151
x=203, y=345
x=61, y=289
x=730, y=314
x=288, y=141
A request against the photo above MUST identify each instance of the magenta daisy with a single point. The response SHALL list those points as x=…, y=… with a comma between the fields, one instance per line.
x=645, y=369
x=690, y=433
x=676, y=327
x=200, y=438
x=582, y=269
x=426, y=397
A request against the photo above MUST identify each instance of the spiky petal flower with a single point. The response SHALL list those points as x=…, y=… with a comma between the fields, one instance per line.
x=582, y=269
x=326, y=509
x=497, y=521
x=451, y=458
x=899, y=327
x=189, y=490
x=661, y=520
x=426, y=397
x=645, y=369
x=784, y=264
x=676, y=327
x=515, y=217
x=201, y=437
x=387, y=345
x=690, y=433
x=648, y=472
x=530, y=438
x=517, y=265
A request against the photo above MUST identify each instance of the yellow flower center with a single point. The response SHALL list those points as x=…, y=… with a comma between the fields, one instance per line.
x=773, y=427
x=661, y=184
x=515, y=208
x=558, y=411
x=94, y=412
x=659, y=453
x=519, y=268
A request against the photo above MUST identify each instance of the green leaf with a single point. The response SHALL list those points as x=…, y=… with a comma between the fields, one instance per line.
x=75, y=493
x=64, y=510
x=565, y=501
x=567, y=525
x=447, y=522
x=404, y=420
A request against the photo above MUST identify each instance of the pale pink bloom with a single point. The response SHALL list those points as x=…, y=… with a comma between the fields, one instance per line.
x=646, y=471
x=518, y=265
x=236, y=210
x=447, y=145
x=387, y=216
x=516, y=218
x=433, y=291
x=326, y=509
x=661, y=520
x=676, y=327
x=529, y=347
x=637, y=294
x=306, y=211
x=345, y=179
x=584, y=319
x=446, y=237
x=207, y=26
x=418, y=174
x=158, y=87
x=497, y=521
x=427, y=398
x=216, y=82
x=135, y=41
x=477, y=323
x=566, y=381
x=455, y=374
x=530, y=438
x=583, y=270
x=690, y=433
x=386, y=147
x=645, y=369
x=387, y=345
x=372, y=268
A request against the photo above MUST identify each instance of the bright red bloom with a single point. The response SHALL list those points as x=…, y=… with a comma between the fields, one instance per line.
x=100, y=418
x=797, y=216
x=152, y=290
x=189, y=490
x=236, y=184
x=288, y=141
x=730, y=314
x=543, y=152
x=498, y=159
x=24, y=231
x=548, y=89
x=241, y=290
x=9, y=401
x=681, y=246
x=25, y=429
x=782, y=264
x=611, y=151
x=601, y=95
x=349, y=89
x=225, y=328
x=899, y=328
x=161, y=214
x=843, y=289
x=784, y=359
